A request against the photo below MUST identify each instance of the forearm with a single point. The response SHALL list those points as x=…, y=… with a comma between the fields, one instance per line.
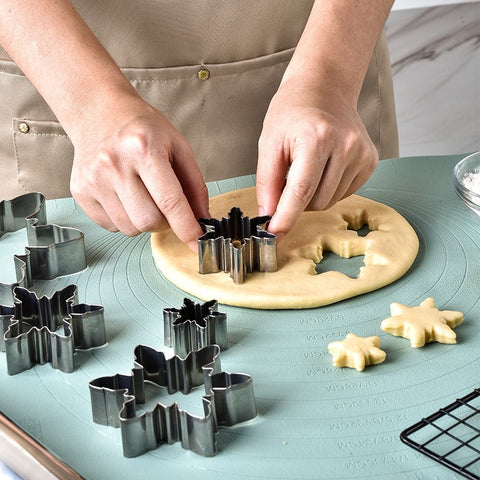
x=62, y=58
x=314, y=149
x=337, y=44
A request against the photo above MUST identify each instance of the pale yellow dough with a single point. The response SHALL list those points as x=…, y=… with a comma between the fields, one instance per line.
x=389, y=250
x=422, y=324
x=356, y=352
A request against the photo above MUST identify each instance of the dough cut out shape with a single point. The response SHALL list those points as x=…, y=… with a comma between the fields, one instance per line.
x=423, y=323
x=389, y=250
x=356, y=352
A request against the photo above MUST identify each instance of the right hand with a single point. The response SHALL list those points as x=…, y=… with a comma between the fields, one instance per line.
x=313, y=151
x=133, y=172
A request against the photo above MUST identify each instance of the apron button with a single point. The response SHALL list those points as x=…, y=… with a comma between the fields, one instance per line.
x=24, y=127
x=203, y=74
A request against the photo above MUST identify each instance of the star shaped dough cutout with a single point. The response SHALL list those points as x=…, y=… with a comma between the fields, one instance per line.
x=356, y=352
x=422, y=324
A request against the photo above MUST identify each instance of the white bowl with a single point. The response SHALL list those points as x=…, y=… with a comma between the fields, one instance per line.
x=466, y=178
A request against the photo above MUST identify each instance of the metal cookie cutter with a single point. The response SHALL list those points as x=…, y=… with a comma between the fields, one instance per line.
x=53, y=251
x=194, y=326
x=237, y=244
x=30, y=329
x=228, y=400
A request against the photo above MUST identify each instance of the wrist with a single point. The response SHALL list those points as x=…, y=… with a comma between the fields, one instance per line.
x=86, y=115
x=317, y=88
x=337, y=44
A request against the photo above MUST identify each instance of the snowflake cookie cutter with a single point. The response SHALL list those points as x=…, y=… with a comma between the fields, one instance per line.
x=52, y=250
x=194, y=326
x=228, y=400
x=237, y=244
x=30, y=329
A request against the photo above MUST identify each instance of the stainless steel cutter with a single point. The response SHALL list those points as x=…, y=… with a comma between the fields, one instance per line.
x=228, y=400
x=238, y=245
x=52, y=250
x=194, y=326
x=30, y=329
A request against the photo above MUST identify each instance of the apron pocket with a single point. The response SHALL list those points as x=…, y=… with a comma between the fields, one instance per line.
x=44, y=156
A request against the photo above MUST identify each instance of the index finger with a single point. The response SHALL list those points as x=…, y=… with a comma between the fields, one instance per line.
x=302, y=182
x=271, y=173
x=167, y=193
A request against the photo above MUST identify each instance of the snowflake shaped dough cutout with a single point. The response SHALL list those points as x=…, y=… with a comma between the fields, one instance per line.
x=423, y=323
x=356, y=352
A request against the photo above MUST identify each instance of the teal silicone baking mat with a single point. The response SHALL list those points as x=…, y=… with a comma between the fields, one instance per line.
x=314, y=421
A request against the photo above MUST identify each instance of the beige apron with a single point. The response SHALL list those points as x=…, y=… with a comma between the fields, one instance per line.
x=210, y=66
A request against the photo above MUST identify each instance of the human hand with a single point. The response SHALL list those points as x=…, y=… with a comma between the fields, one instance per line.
x=318, y=138
x=133, y=172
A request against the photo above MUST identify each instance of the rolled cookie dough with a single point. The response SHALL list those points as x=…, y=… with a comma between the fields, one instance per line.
x=389, y=250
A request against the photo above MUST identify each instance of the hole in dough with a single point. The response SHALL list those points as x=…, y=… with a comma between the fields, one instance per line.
x=361, y=223
x=363, y=231
x=333, y=262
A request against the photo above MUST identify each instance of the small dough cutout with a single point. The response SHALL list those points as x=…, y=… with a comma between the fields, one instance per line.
x=422, y=324
x=356, y=352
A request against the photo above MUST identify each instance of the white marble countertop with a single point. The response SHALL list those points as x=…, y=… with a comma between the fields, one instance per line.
x=407, y=4
x=435, y=58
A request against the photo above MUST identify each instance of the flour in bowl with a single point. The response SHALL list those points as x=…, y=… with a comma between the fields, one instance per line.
x=472, y=181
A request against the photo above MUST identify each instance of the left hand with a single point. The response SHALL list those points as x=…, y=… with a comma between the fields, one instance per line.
x=316, y=137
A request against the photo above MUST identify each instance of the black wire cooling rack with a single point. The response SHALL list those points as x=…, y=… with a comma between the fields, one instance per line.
x=451, y=435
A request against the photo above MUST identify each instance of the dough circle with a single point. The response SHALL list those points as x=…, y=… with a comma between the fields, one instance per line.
x=389, y=250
